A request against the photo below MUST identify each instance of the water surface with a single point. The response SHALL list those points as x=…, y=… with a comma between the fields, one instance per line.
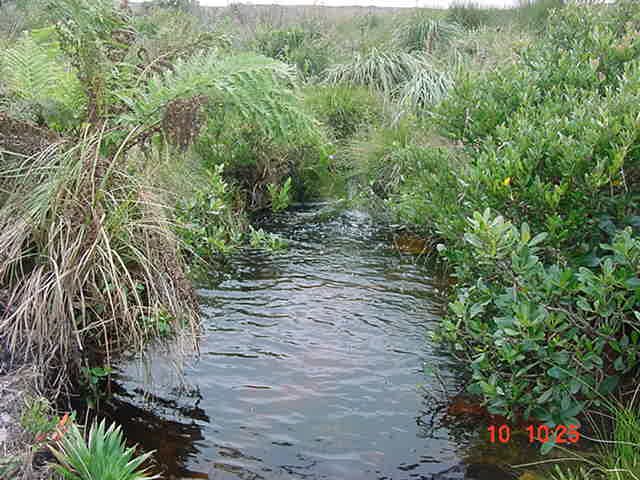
x=311, y=367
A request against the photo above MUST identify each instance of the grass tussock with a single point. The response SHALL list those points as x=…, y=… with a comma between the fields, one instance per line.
x=89, y=258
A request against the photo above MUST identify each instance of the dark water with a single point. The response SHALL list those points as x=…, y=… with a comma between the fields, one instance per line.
x=312, y=367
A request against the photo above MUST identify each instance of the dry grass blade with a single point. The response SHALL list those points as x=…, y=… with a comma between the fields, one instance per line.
x=88, y=258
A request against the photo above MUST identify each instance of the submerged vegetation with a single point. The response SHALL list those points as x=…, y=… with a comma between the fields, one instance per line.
x=507, y=138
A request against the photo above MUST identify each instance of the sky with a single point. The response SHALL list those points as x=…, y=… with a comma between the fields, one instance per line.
x=377, y=3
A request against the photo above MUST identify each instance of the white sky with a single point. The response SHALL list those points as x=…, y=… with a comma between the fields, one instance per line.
x=366, y=3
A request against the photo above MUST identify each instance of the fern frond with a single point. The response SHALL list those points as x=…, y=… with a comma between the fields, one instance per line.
x=260, y=89
x=35, y=74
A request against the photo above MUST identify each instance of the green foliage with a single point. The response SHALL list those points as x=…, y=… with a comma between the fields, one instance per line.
x=468, y=14
x=37, y=416
x=423, y=33
x=376, y=154
x=381, y=71
x=427, y=88
x=267, y=241
x=431, y=193
x=344, y=109
x=301, y=46
x=258, y=89
x=617, y=452
x=206, y=221
x=280, y=195
x=92, y=380
x=36, y=77
x=543, y=340
x=555, y=133
x=103, y=456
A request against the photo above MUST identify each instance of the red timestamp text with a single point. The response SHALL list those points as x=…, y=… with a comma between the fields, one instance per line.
x=537, y=433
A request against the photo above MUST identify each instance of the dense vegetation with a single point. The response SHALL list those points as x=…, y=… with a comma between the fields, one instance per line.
x=508, y=139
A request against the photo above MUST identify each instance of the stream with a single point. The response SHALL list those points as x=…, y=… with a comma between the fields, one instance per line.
x=312, y=366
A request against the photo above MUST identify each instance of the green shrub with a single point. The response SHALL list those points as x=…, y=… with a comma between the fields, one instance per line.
x=103, y=456
x=555, y=133
x=344, y=109
x=431, y=195
x=37, y=416
x=280, y=195
x=300, y=46
x=206, y=220
x=543, y=340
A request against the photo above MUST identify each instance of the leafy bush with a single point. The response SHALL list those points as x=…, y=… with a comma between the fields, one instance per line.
x=206, y=220
x=542, y=340
x=280, y=195
x=103, y=456
x=555, y=133
x=343, y=109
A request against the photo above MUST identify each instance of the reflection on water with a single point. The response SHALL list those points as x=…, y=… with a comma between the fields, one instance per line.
x=310, y=369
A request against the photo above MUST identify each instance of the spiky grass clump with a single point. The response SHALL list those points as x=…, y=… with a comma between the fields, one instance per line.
x=426, y=88
x=379, y=70
x=423, y=33
x=103, y=456
x=88, y=258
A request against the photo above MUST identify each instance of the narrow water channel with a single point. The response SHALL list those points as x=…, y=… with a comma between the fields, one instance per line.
x=312, y=367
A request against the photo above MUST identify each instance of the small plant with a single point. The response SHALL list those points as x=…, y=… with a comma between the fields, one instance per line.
x=37, y=416
x=93, y=378
x=205, y=221
x=103, y=456
x=280, y=196
x=160, y=324
x=268, y=241
x=344, y=109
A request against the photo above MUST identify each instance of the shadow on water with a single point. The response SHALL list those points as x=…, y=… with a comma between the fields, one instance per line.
x=312, y=367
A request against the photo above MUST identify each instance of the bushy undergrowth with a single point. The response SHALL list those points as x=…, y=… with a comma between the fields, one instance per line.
x=549, y=145
x=300, y=46
x=343, y=109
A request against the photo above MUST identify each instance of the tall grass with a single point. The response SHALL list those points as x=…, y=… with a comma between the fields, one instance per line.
x=422, y=32
x=426, y=88
x=468, y=14
x=88, y=257
x=383, y=71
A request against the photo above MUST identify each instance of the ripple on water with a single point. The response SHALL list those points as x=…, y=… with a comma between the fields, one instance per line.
x=309, y=367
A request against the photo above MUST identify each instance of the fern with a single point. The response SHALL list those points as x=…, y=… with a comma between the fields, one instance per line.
x=261, y=90
x=29, y=72
x=34, y=74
